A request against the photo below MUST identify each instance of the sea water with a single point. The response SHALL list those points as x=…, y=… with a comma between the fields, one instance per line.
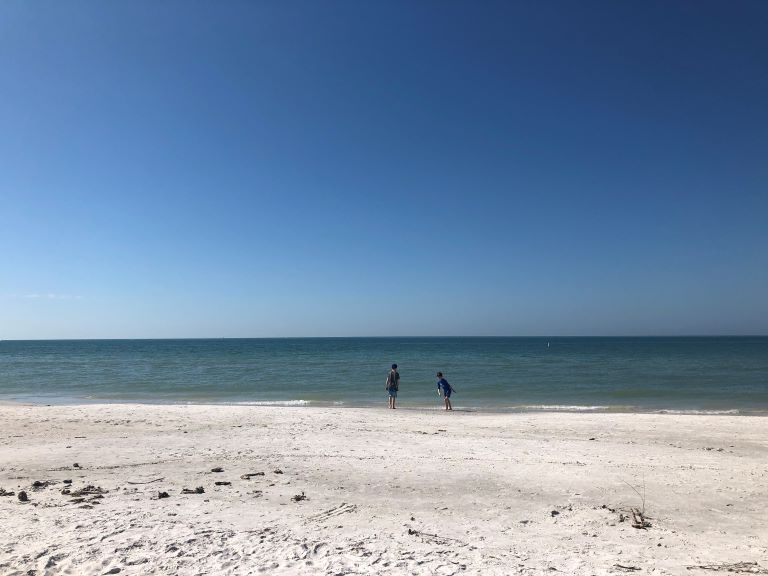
x=697, y=374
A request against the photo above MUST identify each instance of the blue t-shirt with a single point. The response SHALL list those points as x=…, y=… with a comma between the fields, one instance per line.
x=443, y=385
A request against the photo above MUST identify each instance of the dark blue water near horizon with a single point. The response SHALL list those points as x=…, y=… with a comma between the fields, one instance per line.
x=696, y=374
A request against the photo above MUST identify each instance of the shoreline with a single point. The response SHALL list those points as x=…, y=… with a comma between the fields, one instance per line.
x=376, y=491
x=318, y=404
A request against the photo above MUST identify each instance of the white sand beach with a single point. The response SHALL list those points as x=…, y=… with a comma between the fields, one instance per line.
x=386, y=492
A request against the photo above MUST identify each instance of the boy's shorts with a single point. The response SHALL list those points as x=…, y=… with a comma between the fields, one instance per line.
x=392, y=392
x=447, y=393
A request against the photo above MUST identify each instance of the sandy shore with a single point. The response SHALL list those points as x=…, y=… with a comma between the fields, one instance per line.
x=389, y=492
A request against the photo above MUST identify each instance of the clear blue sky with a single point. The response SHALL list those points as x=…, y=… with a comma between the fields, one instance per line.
x=196, y=169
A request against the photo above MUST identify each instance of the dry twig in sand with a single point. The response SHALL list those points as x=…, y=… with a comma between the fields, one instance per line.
x=739, y=567
x=638, y=516
x=642, y=496
x=435, y=537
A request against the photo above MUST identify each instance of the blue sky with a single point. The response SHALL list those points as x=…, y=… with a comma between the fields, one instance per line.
x=208, y=169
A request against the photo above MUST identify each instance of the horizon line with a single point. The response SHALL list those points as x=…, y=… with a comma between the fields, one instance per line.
x=382, y=337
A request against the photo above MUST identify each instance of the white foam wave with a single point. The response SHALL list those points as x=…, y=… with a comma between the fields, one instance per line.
x=562, y=408
x=274, y=403
x=705, y=412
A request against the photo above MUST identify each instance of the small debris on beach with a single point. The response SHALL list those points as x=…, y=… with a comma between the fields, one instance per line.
x=4, y=493
x=744, y=567
x=75, y=465
x=39, y=485
x=638, y=520
x=434, y=538
x=299, y=497
x=554, y=513
x=88, y=490
x=147, y=482
x=67, y=481
x=223, y=483
x=250, y=475
x=198, y=490
x=217, y=469
x=278, y=471
x=161, y=495
x=23, y=496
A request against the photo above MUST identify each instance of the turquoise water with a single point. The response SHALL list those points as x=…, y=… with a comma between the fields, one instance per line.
x=675, y=374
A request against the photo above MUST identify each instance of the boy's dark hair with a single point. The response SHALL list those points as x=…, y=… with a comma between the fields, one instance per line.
x=439, y=374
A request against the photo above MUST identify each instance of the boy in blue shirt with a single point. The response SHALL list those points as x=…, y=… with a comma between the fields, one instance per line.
x=444, y=389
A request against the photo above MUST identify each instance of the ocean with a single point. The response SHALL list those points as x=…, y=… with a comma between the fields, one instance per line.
x=684, y=374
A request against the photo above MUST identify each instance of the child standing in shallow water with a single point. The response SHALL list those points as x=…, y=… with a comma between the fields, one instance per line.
x=445, y=390
x=392, y=385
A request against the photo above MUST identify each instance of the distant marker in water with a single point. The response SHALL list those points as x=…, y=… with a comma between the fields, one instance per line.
x=547, y=344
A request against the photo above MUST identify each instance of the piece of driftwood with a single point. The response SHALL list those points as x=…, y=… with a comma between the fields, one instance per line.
x=627, y=568
x=148, y=482
x=198, y=490
x=638, y=520
x=250, y=475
